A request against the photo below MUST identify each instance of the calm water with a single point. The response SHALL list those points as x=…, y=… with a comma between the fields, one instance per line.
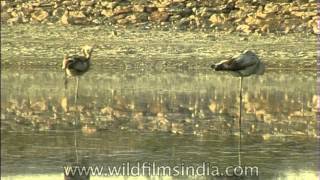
x=166, y=117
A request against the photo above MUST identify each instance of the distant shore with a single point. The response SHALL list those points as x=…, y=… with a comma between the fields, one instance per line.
x=228, y=16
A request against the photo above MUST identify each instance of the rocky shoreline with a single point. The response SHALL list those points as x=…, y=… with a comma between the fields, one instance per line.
x=257, y=16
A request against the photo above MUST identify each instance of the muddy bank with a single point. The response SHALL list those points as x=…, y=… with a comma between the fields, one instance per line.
x=261, y=17
x=154, y=50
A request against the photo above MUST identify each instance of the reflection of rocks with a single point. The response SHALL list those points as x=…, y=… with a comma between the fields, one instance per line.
x=87, y=129
x=242, y=16
x=179, y=109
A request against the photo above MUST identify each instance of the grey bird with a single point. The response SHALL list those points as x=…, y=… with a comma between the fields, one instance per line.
x=77, y=65
x=243, y=65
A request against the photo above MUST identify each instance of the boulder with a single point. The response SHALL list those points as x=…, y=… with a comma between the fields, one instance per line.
x=107, y=13
x=271, y=8
x=138, y=8
x=157, y=16
x=39, y=15
x=216, y=19
x=121, y=10
x=251, y=20
x=87, y=3
x=244, y=28
x=74, y=17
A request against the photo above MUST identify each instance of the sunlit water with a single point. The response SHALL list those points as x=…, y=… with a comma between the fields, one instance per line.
x=165, y=117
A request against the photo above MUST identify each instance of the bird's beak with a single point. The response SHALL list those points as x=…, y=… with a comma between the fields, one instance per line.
x=213, y=66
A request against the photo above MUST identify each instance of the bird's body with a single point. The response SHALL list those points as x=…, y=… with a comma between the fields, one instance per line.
x=77, y=65
x=243, y=65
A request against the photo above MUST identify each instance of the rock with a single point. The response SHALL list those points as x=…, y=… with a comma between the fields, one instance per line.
x=157, y=16
x=74, y=17
x=120, y=16
x=262, y=15
x=64, y=18
x=141, y=17
x=174, y=18
x=244, y=7
x=216, y=19
x=39, y=15
x=265, y=28
x=107, y=13
x=123, y=21
x=132, y=18
x=106, y=110
x=67, y=3
x=87, y=3
x=58, y=12
x=237, y=16
x=17, y=17
x=272, y=8
x=185, y=12
x=191, y=4
x=303, y=14
x=138, y=8
x=180, y=9
x=250, y=20
x=289, y=25
x=14, y=20
x=204, y=12
x=27, y=9
x=150, y=9
x=39, y=106
x=183, y=23
x=109, y=5
x=244, y=28
x=229, y=7
x=121, y=10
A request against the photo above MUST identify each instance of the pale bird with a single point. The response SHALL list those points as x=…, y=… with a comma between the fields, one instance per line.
x=77, y=65
x=243, y=65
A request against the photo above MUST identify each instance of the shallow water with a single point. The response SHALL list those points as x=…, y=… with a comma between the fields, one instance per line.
x=167, y=117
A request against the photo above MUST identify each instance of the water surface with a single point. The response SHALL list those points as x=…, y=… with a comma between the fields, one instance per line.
x=167, y=117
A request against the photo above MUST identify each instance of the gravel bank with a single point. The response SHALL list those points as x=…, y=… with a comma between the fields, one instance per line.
x=257, y=16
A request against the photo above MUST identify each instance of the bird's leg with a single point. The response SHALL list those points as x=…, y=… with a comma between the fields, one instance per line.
x=65, y=80
x=75, y=120
x=240, y=113
x=76, y=92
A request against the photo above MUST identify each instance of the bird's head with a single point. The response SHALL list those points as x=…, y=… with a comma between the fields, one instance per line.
x=87, y=50
x=248, y=53
x=221, y=65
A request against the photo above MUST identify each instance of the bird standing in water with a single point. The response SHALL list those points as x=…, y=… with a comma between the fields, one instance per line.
x=243, y=65
x=77, y=65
